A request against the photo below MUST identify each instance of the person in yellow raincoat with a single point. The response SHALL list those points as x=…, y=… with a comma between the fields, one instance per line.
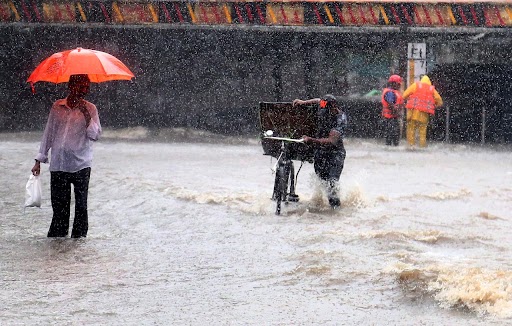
x=422, y=100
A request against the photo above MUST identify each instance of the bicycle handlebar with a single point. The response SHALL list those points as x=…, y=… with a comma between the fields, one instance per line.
x=287, y=139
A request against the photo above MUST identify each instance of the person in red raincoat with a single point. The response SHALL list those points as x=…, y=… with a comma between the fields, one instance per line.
x=392, y=107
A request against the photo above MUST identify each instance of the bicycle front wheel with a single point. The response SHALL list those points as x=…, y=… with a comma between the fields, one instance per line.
x=281, y=186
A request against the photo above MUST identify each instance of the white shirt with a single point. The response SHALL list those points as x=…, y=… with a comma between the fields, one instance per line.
x=68, y=138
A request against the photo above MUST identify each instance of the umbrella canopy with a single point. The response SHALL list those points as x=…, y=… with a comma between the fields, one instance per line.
x=99, y=66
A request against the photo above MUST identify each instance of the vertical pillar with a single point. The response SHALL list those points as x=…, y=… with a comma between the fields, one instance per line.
x=308, y=67
x=482, y=140
x=277, y=69
x=278, y=79
x=447, y=125
x=401, y=56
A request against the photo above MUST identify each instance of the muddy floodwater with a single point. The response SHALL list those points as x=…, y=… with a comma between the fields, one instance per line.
x=183, y=232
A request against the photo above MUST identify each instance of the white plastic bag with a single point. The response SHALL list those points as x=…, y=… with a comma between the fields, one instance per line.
x=33, y=192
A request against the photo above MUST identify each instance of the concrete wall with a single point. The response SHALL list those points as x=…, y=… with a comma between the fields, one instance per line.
x=214, y=78
x=202, y=78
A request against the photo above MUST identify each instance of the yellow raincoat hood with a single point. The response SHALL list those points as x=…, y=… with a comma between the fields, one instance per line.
x=425, y=80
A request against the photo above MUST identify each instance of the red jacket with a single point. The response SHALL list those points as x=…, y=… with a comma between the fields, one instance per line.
x=387, y=113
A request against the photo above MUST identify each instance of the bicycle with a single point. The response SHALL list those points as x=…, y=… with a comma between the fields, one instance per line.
x=283, y=120
x=284, y=183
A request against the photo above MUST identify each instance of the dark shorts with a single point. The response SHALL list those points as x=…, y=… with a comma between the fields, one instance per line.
x=329, y=164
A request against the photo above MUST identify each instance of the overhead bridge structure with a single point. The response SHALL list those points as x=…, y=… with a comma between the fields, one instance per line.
x=207, y=64
x=264, y=13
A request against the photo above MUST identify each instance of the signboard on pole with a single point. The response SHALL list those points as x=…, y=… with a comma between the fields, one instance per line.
x=416, y=61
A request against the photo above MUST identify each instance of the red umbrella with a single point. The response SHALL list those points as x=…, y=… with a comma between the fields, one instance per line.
x=99, y=66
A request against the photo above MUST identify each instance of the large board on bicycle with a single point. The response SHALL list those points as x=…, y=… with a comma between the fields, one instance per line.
x=290, y=122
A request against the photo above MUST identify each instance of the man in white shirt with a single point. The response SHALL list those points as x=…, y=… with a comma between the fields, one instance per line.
x=73, y=124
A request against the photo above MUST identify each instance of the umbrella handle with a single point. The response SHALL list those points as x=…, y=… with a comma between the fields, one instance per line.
x=33, y=88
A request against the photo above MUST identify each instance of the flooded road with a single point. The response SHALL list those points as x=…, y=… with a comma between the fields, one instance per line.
x=184, y=233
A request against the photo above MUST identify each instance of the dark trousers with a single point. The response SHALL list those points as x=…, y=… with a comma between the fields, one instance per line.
x=60, y=184
x=328, y=167
x=392, y=131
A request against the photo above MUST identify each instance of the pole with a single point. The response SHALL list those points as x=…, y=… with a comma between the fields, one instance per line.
x=483, y=125
x=307, y=48
x=447, y=125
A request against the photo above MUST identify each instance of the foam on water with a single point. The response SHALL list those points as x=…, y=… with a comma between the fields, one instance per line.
x=447, y=195
x=245, y=202
x=481, y=290
x=428, y=236
x=488, y=216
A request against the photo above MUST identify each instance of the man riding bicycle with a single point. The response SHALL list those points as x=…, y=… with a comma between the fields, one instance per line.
x=330, y=153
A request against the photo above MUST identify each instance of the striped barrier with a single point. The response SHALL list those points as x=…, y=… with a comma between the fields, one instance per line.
x=330, y=13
